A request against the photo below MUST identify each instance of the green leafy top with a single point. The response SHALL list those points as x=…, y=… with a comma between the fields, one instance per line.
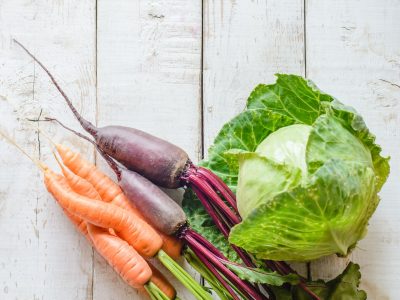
x=288, y=156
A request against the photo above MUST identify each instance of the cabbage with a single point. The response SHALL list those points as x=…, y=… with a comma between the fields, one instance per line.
x=306, y=171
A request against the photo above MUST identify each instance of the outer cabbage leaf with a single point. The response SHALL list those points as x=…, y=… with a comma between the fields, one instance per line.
x=292, y=96
x=353, y=122
x=329, y=139
x=326, y=216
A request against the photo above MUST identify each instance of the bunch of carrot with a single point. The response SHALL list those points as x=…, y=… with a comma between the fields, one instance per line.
x=99, y=209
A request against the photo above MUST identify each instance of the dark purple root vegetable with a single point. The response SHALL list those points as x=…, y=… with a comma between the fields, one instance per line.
x=168, y=166
x=152, y=202
x=169, y=218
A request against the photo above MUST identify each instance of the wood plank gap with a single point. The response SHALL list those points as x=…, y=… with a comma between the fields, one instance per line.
x=305, y=48
x=308, y=264
x=202, y=150
x=95, y=156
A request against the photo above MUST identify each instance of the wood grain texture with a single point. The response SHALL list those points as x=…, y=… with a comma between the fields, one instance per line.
x=149, y=60
x=246, y=43
x=148, y=64
x=353, y=53
x=41, y=255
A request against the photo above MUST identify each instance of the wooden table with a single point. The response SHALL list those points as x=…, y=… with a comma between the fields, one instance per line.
x=178, y=69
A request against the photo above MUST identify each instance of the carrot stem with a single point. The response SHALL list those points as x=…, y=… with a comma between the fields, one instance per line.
x=208, y=273
x=154, y=292
x=188, y=281
x=38, y=163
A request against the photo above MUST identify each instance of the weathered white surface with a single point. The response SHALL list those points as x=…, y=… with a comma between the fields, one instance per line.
x=148, y=57
x=41, y=255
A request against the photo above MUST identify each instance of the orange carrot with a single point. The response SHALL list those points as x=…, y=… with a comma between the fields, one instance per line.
x=135, y=231
x=79, y=223
x=77, y=183
x=101, y=182
x=99, y=235
x=109, y=191
x=121, y=256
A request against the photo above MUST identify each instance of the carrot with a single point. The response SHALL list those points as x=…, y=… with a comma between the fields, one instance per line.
x=100, y=181
x=180, y=273
x=109, y=191
x=78, y=184
x=101, y=236
x=128, y=263
x=79, y=223
x=121, y=256
x=136, y=232
x=118, y=253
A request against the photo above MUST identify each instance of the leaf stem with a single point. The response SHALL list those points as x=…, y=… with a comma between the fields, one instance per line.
x=188, y=281
x=243, y=286
x=154, y=291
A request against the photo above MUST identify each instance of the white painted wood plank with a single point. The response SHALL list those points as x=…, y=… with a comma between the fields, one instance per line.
x=149, y=59
x=246, y=43
x=353, y=54
x=41, y=255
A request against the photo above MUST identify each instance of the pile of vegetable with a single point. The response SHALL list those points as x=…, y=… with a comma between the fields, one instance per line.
x=294, y=177
x=306, y=171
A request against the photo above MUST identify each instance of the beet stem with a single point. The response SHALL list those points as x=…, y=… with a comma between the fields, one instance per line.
x=219, y=185
x=243, y=286
x=222, y=183
x=198, y=237
x=209, y=192
x=217, y=275
x=243, y=255
x=89, y=127
x=204, y=201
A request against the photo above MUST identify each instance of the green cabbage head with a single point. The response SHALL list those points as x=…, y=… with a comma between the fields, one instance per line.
x=306, y=171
